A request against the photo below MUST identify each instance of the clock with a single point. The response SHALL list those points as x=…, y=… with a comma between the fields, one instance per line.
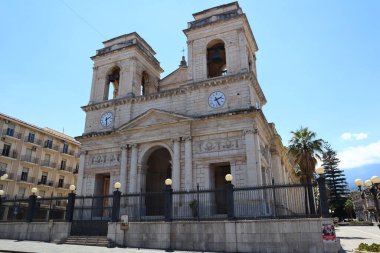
x=216, y=99
x=106, y=119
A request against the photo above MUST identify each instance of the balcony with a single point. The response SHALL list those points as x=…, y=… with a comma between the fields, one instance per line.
x=62, y=185
x=11, y=133
x=51, y=146
x=26, y=179
x=68, y=152
x=46, y=183
x=29, y=159
x=33, y=140
x=66, y=168
x=8, y=153
x=47, y=163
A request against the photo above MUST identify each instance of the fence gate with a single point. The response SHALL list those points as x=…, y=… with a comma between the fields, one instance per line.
x=89, y=227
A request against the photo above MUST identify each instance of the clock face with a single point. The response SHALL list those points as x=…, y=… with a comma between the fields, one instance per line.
x=216, y=99
x=106, y=119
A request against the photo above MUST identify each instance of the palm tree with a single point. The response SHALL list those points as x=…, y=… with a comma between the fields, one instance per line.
x=305, y=149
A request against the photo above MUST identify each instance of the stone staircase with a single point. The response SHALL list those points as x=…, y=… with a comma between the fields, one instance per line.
x=100, y=241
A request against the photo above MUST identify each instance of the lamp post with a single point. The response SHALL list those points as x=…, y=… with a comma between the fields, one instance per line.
x=32, y=205
x=371, y=186
x=116, y=202
x=168, y=199
x=230, y=197
x=324, y=207
x=1, y=197
x=70, y=204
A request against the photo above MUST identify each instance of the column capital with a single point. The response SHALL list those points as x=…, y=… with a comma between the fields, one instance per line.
x=124, y=147
x=250, y=131
x=133, y=145
x=177, y=139
x=186, y=138
x=83, y=152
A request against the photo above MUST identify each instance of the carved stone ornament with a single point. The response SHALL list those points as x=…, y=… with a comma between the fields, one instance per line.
x=250, y=131
x=103, y=160
x=217, y=145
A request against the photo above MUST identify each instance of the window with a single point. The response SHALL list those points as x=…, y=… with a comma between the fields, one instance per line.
x=1, y=187
x=216, y=59
x=48, y=144
x=31, y=137
x=6, y=149
x=112, y=85
x=28, y=154
x=144, y=82
x=24, y=174
x=3, y=169
x=63, y=164
x=65, y=148
x=10, y=130
x=44, y=178
x=21, y=192
x=60, y=181
x=46, y=161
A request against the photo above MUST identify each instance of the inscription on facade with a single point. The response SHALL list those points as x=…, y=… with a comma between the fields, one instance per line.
x=103, y=160
x=217, y=145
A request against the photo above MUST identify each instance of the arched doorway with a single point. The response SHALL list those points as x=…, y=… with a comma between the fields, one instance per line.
x=158, y=169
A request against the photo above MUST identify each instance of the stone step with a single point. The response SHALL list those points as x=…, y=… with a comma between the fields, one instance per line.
x=100, y=241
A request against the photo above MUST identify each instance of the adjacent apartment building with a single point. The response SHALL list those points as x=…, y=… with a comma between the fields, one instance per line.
x=31, y=156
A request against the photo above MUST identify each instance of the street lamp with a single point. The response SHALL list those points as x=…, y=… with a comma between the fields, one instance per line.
x=34, y=190
x=117, y=186
x=229, y=178
x=168, y=182
x=324, y=208
x=371, y=187
x=72, y=188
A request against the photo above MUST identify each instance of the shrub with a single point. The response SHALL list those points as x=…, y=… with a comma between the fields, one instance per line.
x=374, y=247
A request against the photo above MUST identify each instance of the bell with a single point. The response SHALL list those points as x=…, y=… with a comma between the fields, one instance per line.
x=216, y=56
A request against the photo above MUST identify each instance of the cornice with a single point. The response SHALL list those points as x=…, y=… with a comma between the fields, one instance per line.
x=190, y=86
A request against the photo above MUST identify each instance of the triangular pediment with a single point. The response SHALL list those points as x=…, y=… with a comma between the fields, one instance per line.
x=154, y=117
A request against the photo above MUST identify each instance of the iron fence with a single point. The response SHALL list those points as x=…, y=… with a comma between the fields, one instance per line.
x=260, y=202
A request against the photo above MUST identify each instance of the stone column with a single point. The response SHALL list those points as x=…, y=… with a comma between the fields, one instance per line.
x=133, y=171
x=252, y=158
x=276, y=167
x=256, y=138
x=188, y=164
x=82, y=160
x=123, y=169
x=176, y=169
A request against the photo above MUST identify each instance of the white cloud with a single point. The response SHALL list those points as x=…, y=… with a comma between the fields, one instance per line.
x=352, y=136
x=358, y=156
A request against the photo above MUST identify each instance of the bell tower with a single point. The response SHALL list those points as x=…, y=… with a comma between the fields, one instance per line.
x=125, y=67
x=220, y=42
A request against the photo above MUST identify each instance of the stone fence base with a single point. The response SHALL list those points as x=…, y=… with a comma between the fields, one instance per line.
x=35, y=231
x=278, y=236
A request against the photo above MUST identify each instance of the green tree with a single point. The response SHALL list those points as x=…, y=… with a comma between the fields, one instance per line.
x=335, y=181
x=305, y=149
x=349, y=208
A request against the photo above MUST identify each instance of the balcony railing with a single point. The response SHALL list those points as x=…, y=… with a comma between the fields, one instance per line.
x=30, y=159
x=33, y=140
x=48, y=163
x=10, y=132
x=31, y=180
x=8, y=153
x=66, y=168
x=68, y=152
x=62, y=185
x=46, y=182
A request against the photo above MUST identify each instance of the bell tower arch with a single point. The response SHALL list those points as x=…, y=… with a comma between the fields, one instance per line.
x=235, y=44
x=121, y=67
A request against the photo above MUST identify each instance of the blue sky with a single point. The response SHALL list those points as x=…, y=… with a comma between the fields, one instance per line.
x=318, y=62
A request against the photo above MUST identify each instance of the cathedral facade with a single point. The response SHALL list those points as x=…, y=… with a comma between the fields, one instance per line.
x=202, y=121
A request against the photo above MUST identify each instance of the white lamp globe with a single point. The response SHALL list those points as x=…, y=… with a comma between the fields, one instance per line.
x=359, y=182
x=168, y=182
x=34, y=190
x=229, y=177
x=117, y=185
x=320, y=170
x=72, y=188
x=375, y=179
x=368, y=183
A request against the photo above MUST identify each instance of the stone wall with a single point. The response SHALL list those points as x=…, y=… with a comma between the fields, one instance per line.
x=228, y=236
x=35, y=231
